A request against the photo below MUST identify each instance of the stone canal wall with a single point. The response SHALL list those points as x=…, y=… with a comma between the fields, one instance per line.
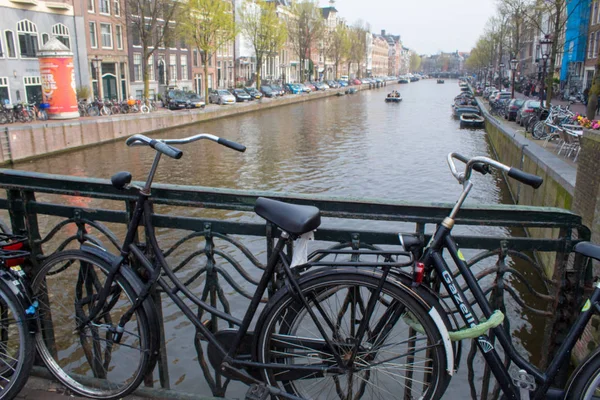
x=21, y=142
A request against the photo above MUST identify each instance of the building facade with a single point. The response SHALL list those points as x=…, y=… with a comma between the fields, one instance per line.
x=380, y=56
x=593, y=43
x=25, y=26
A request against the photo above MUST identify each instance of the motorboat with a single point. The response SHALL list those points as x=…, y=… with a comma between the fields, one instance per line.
x=393, y=97
x=440, y=81
x=471, y=120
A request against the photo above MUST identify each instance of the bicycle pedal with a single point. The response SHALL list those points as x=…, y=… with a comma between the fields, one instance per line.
x=525, y=383
x=257, y=392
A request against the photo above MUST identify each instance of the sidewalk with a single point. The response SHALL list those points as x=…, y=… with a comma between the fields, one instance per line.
x=43, y=389
x=579, y=108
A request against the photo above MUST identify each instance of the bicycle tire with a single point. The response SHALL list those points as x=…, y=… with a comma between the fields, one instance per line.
x=105, y=111
x=144, y=109
x=115, y=110
x=93, y=111
x=538, y=131
x=94, y=371
x=16, y=366
x=286, y=316
x=584, y=383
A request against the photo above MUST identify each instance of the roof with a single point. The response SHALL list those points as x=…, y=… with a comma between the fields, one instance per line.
x=327, y=10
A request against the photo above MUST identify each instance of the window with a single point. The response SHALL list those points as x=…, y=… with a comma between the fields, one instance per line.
x=1, y=49
x=184, y=67
x=597, y=44
x=10, y=44
x=117, y=8
x=135, y=36
x=137, y=67
x=61, y=32
x=595, y=17
x=106, y=34
x=28, y=38
x=33, y=89
x=45, y=38
x=195, y=58
x=119, y=36
x=91, y=5
x=591, y=45
x=93, y=38
x=172, y=67
x=182, y=44
x=150, y=68
x=4, y=91
x=104, y=6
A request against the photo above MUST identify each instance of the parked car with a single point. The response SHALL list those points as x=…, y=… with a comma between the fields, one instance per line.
x=267, y=91
x=319, y=85
x=529, y=107
x=493, y=93
x=501, y=96
x=333, y=84
x=254, y=94
x=241, y=95
x=513, y=107
x=309, y=85
x=278, y=90
x=293, y=88
x=343, y=83
x=195, y=101
x=356, y=82
x=177, y=101
x=220, y=96
x=304, y=88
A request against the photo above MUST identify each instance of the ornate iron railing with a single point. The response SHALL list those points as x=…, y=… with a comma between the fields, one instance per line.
x=56, y=212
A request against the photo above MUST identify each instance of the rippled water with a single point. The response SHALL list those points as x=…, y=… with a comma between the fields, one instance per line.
x=355, y=145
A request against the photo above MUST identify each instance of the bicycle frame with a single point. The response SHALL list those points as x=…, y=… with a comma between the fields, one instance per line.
x=433, y=258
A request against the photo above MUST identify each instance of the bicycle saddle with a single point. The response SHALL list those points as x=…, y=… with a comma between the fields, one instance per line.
x=121, y=179
x=588, y=249
x=291, y=218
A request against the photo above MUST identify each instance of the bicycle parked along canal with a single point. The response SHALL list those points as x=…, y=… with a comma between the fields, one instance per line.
x=346, y=329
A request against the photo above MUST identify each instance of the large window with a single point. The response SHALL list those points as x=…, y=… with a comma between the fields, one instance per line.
x=28, y=38
x=9, y=37
x=1, y=49
x=104, y=6
x=172, y=67
x=61, y=32
x=195, y=58
x=117, y=8
x=106, y=34
x=4, y=91
x=137, y=67
x=184, y=67
x=33, y=89
x=93, y=36
x=150, y=68
x=91, y=5
x=119, y=36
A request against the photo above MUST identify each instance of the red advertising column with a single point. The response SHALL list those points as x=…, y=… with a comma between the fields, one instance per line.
x=58, y=80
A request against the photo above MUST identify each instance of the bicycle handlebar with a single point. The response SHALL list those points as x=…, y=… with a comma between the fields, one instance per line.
x=480, y=164
x=164, y=145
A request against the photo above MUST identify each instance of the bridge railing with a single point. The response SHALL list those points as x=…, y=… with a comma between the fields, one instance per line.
x=229, y=245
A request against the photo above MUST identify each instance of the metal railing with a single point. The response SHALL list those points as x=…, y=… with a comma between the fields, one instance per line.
x=506, y=265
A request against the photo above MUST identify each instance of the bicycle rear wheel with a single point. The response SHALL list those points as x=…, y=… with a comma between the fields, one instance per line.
x=585, y=381
x=401, y=354
x=17, y=348
x=539, y=130
x=88, y=361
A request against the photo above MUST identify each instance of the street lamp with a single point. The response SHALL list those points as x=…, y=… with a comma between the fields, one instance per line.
x=545, y=45
x=513, y=67
x=96, y=63
x=500, y=68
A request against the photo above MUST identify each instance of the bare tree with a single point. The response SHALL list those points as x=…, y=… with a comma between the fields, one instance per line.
x=151, y=23
x=338, y=46
x=263, y=28
x=358, y=48
x=210, y=25
x=305, y=27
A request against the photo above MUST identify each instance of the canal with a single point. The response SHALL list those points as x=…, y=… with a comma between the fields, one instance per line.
x=351, y=146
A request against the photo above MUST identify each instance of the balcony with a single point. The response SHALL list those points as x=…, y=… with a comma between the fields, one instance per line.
x=27, y=2
x=57, y=5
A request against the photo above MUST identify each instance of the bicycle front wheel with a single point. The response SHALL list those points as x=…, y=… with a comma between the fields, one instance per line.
x=17, y=348
x=585, y=381
x=539, y=130
x=400, y=356
x=86, y=359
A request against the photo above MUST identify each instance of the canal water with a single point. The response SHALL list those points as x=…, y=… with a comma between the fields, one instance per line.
x=352, y=146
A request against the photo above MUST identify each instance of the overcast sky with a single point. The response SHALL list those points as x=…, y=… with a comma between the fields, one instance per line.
x=427, y=26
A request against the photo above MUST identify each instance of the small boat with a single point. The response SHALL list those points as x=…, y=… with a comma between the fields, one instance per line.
x=403, y=79
x=458, y=110
x=471, y=120
x=351, y=90
x=393, y=97
x=340, y=94
x=440, y=81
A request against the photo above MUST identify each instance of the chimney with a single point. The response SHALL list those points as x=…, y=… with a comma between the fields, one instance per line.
x=383, y=32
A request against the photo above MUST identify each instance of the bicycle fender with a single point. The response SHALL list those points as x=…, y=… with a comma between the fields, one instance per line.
x=394, y=278
x=137, y=285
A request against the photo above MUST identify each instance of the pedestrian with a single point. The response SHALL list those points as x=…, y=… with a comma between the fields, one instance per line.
x=586, y=93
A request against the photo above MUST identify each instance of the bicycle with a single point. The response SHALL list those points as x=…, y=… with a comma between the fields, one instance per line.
x=584, y=383
x=18, y=311
x=341, y=327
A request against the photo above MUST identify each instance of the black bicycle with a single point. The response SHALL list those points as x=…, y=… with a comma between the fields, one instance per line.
x=528, y=381
x=331, y=330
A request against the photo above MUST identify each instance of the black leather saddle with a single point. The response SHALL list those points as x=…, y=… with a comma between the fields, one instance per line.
x=291, y=218
x=588, y=249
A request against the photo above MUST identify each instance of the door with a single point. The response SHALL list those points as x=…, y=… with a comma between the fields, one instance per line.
x=109, y=86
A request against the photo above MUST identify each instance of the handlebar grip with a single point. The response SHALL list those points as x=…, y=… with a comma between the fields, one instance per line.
x=167, y=150
x=529, y=179
x=481, y=168
x=232, y=145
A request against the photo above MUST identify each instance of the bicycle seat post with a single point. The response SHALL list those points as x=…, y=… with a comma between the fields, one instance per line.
x=146, y=189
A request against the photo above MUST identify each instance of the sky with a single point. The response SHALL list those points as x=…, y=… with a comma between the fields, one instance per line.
x=427, y=26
